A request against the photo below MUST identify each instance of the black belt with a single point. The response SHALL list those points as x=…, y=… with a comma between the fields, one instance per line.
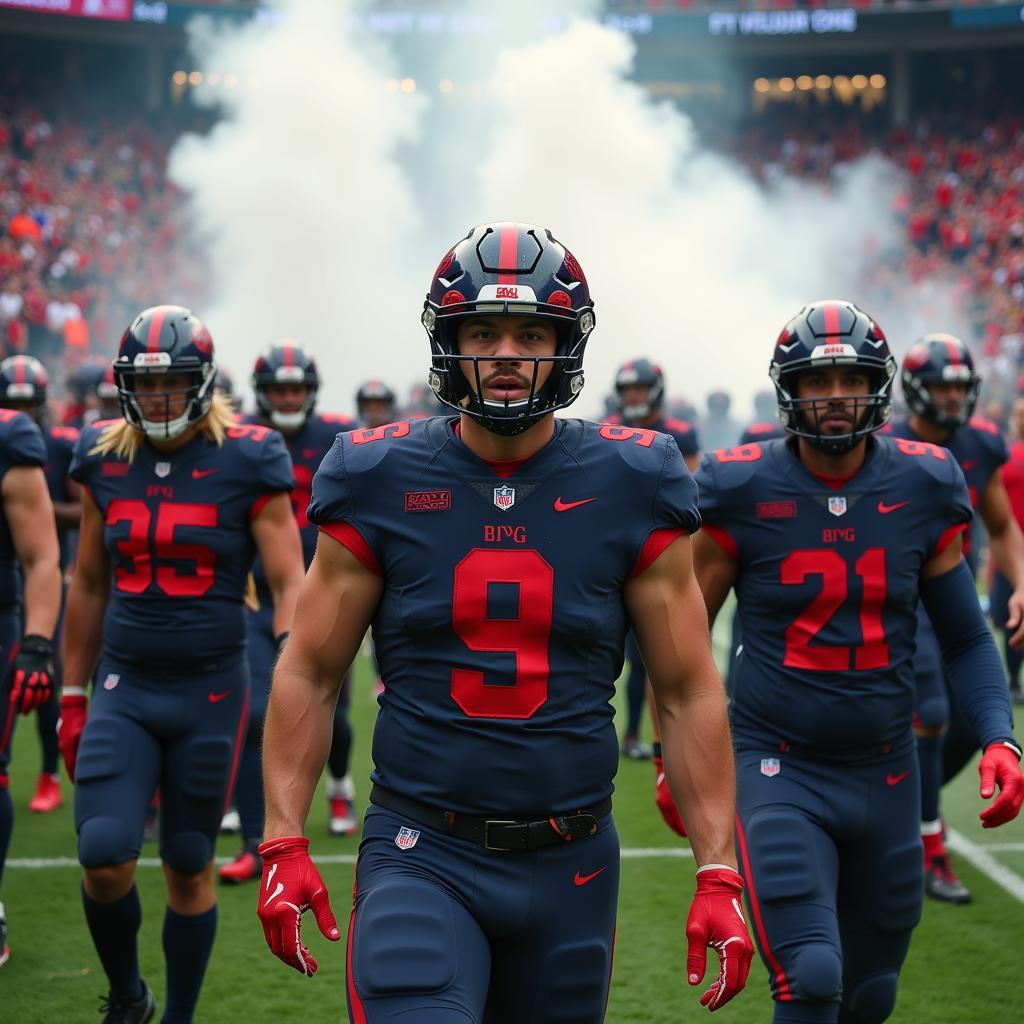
x=496, y=833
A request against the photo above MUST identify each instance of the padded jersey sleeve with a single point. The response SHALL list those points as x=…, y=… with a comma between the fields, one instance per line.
x=82, y=463
x=23, y=441
x=714, y=506
x=275, y=466
x=954, y=512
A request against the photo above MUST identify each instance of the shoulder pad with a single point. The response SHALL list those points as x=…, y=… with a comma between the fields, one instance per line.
x=68, y=434
x=679, y=426
x=920, y=457
x=638, y=446
x=364, y=448
x=733, y=467
x=984, y=425
x=337, y=419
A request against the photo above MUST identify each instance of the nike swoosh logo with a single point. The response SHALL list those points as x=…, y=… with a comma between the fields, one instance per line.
x=564, y=506
x=894, y=780
x=311, y=453
x=198, y=474
x=277, y=892
x=968, y=464
x=216, y=698
x=579, y=879
x=884, y=509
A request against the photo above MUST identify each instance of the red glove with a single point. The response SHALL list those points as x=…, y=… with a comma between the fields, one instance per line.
x=716, y=920
x=1000, y=765
x=74, y=710
x=663, y=798
x=291, y=885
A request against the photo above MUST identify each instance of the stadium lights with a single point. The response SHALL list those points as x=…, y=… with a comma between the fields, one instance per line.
x=179, y=78
x=877, y=81
x=213, y=78
x=859, y=81
x=446, y=85
x=195, y=78
x=823, y=82
x=805, y=82
x=762, y=85
x=786, y=85
x=408, y=85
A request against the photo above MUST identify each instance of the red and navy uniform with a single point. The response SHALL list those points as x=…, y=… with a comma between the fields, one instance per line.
x=755, y=433
x=1012, y=474
x=500, y=636
x=682, y=431
x=827, y=585
x=172, y=683
x=21, y=444
x=60, y=447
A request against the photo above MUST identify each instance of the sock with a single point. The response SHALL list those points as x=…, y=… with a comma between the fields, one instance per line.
x=341, y=746
x=931, y=836
x=636, y=691
x=188, y=940
x=249, y=793
x=6, y=823
x=114, y=928
x=929, y=760
x=46, y=723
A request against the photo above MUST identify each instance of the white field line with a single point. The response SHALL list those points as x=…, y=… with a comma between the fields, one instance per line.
x=980, y=857
x=632, y=853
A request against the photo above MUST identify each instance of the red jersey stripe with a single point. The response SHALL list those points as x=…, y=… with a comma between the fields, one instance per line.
x=348, y=536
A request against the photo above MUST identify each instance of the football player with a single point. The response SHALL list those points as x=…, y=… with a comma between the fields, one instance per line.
x=940, y=388
x=639, y=391
x=831, y=537
x=375, y=404
x=24, y=384
x=286, y=383
x=488, y=869
x=177, y=499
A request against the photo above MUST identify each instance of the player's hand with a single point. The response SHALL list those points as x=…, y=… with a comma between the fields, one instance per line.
x=74, y=710
x=1015, y=619
x=33, y=673
x=1000, y=767
x=291, y=885
x=663, y=798
x=716, y=920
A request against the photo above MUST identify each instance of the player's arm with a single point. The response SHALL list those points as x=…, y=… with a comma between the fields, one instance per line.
x=977, y=675
x=1007, y=544
x=280, y=548
x=715, y=570
x=667, y=611
x=336, y=603
x=69, y=512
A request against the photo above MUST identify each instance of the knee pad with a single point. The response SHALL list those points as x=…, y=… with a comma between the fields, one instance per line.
x=817, y=973
x=574, y=983
x=208, y=768
x=404, y=940
x=779, y=843
x=933, y=711
x=103, y=842
x=871, y=1001
x=104, y=751
x=188, y=853
x=898, y=902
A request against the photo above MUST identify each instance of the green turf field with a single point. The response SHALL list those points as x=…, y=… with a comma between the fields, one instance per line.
x=964, y=965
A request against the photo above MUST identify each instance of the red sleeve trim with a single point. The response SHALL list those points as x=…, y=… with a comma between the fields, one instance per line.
x=348, y=536
x=723, y=538
x=948, y=537
x=261, y=503
x=653, y=547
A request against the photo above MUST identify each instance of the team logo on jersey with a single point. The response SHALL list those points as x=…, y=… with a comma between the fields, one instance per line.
x=162, y=469
x=770, y=766
x=111, y=681
x=428, y=501
x=504, y=497
x=406, y=838
x=837, y=506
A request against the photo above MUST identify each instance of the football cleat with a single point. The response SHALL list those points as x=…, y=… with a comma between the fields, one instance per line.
x=635, y=749
x=231, y=823
x=245, y=867
x=341, y=795
x=47, y=796
x=941, y=883
x=5, y=952
x=119, y=1010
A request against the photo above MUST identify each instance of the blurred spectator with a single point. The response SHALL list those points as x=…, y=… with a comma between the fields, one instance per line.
x=718, y=429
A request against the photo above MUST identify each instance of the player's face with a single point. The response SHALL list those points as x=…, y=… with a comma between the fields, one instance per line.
x=508, y=345
x=377, y=411
x=635, y=394
x=162, y=396
x=949, y=397
x=834, y=390
x=286, y=398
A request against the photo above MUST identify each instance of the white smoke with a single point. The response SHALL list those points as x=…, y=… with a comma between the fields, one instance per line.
x=326, y=216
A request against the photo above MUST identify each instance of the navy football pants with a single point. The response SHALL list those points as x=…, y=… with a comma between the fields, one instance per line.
x=447, y=931
x=10, y=634
x=179, y=732
x=831, y=855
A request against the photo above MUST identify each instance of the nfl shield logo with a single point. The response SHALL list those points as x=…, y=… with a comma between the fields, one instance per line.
x=504, y=497
x=111, y=681
x=406, y=838
x=837, y=506
x=162, y=469
x=770, y=766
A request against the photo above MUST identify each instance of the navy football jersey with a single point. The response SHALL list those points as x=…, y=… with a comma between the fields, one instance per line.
x=767, y=430
x=21, y=444
x=179, y=540
x=500, y=631
x=827, y=586
x=682, y=431
x=60, y=447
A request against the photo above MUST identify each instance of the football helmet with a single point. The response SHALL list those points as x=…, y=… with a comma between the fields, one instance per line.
x=639, y=373
x=500, y=269
x=375, y=391
x=285, y=362
x=939, y=359
x=824, y=334
x=23, y=385
x=166, y=340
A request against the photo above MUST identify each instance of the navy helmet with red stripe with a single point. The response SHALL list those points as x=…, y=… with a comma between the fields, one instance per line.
x=826, y=334
x=508, y=268
x=374, y=391
x=640, y=373
x=939, y=359
x=285, y=362
x=166, y=340
x=23, y=385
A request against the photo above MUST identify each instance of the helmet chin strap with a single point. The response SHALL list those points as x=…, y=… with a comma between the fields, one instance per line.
x=288, y=420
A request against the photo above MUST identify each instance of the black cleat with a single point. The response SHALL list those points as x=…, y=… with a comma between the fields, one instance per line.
x=119, y=1010
x=941, y=883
